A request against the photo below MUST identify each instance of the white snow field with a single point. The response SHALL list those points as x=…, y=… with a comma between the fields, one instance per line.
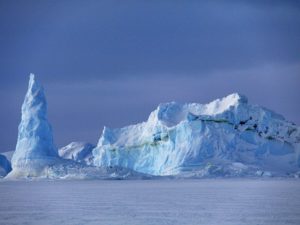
x=151, y=202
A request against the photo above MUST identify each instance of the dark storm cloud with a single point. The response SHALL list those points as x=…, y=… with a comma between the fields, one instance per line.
x=109, y=39
x=111, y=62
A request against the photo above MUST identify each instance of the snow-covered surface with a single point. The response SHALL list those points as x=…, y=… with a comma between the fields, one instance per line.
x=227, y=137
x=5, y=166
x=151, y=202
x=78, y=151
x=35, y=147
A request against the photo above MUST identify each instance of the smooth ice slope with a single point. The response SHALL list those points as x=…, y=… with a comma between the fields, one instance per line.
x=35, y=147
x=227, y=137
x=78, y=151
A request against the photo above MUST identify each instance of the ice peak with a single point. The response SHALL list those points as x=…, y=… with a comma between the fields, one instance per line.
x=35, y=138
x=106, y=135
x=34, y=99
x=235, y=98
x=231, y=100
x=34, y=86
x=31, y=77
x=220, y=105
x=172, y=113
x=168, y=113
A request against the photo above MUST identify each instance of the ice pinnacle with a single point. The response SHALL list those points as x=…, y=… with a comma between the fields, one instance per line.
x=35, y=139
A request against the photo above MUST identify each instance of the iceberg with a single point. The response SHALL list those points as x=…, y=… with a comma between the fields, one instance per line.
x=35, y=147
x=78, y=151
x=36, y=156
x=226, y=137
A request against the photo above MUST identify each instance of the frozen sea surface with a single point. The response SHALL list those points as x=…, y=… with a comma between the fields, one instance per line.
x=145, y=202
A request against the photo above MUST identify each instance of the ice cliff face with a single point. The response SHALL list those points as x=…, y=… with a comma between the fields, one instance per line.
x=227, y=136
x=35, y=145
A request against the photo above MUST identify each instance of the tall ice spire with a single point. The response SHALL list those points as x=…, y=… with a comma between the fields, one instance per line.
x=35, y=139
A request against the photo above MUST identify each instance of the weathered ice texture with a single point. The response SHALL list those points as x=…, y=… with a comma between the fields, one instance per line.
x=78, y=151
x=37, y=157
x=227, y=137
x=35, y=147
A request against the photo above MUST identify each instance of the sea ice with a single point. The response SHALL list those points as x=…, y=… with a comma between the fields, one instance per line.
x=151, y=202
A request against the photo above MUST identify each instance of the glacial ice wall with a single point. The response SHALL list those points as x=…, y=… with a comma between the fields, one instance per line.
x=188, y=137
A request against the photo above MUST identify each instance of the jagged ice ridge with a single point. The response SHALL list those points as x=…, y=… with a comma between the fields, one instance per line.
x=227, y=137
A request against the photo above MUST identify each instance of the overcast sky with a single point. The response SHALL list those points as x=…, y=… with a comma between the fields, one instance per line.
x=112, y=62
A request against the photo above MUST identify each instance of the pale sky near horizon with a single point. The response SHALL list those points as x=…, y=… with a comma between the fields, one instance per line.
x=112, y=62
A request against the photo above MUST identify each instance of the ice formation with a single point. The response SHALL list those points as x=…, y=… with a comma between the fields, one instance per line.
x=35, y=139
x=78, y=151
x=37, y=157
x=35, y=147
x=226, y=137
x=5, y=166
